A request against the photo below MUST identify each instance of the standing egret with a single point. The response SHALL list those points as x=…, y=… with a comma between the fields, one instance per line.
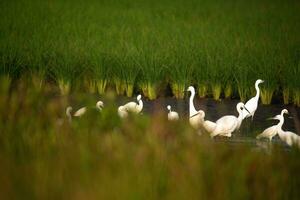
x=172, y=115
x=288, y=137
x=196, y=117
x=273, y=130
x=133, y=106
x=229, y=123
x=251, y=104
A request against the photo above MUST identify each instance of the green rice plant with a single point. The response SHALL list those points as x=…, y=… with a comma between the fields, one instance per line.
x=98, y=66
x=286, y=95
x=296, y=97
x=267, y=67
x=180, y=77
x=65, y=72
x=201, y=76
x=152, y=73
x=202, y=90
x=228, y=90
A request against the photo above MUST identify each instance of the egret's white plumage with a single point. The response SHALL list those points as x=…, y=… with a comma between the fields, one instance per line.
x=288, y=137
x=252, y=103
x=172, y=115
x=229, y=123
x=273, y=130
x=209, y=126
x=82, y=110
x=133, y=106
x=100, y=105
x=122, y=112
x=196, y=117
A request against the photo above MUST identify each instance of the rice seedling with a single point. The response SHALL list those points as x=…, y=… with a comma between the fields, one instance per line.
x=220, y=51
x=152, y=73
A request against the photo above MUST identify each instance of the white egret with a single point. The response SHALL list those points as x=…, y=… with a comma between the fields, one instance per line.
x=78, y=113
x=122, y=112
x=288, y=137
x=229, y=123
x=196, y=117
x=251, y=104
x=209, y=126
x=100, y=105
x=273, y=130
x=133, y=106
x=82, y=111
x=172, y=115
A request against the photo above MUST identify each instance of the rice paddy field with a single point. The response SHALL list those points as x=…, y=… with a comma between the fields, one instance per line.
x=59, y=53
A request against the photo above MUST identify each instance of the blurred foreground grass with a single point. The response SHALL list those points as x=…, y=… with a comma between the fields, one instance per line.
x=42, y=156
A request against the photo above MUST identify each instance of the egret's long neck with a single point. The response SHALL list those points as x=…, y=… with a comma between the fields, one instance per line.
x=68, y=113
x=240, y=117
x=281, y=121
x=140, y=106
x=257, y=91
x=192, y=107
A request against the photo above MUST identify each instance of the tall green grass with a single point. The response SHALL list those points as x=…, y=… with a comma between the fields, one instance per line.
x=221, y=47
x=98, y=156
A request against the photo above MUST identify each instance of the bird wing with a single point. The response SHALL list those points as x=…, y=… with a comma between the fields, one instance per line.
x=80, y=112
x=131, y=106
x=209, y=126
x=251, y=106
x=271, y=131
x=225, y=125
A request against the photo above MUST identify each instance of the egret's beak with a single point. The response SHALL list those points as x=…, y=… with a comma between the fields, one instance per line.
x=263, y=81
x=247, y=109
x=272, y=118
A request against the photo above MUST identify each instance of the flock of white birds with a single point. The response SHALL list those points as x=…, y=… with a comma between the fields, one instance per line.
x=224, y=126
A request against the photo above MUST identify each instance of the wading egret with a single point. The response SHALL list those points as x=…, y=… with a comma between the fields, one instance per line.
x=172, y=115
x=195, y=116
x=288, y=137
x=229, y=123
x=273, y=130
x=133, y=106
x=251, y=104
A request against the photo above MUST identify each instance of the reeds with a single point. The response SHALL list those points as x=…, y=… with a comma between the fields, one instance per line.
x=91, y=46
x=99, y=156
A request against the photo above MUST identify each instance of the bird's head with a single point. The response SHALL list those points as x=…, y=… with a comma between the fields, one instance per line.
x=258, y=81
x=284, y=111
x=191, y=89
x=139, y=97
x=169, y=107
x=100, y=105
x=277, y=117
